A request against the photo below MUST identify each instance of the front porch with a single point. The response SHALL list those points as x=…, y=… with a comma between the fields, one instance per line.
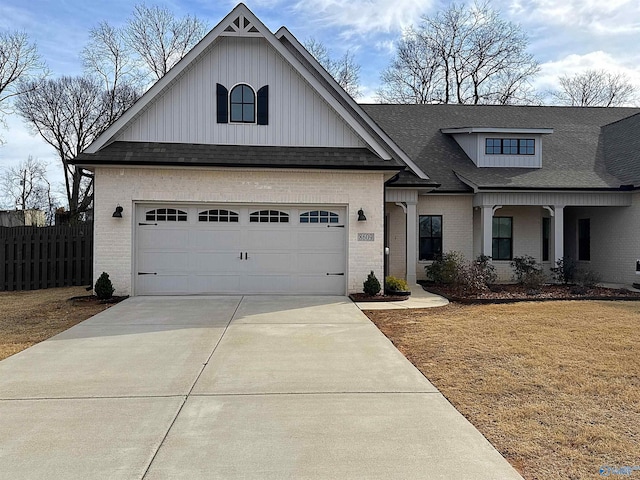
x=544, y=225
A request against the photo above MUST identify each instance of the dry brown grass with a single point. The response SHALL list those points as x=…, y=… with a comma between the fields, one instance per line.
x=555, y=387
x=27, y=318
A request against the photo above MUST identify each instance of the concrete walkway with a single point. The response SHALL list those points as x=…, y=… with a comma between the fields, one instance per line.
x=419, y=299
x=230, y=388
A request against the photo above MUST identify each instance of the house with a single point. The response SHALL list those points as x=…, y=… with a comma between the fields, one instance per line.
x=22, y=218
x=247, y=169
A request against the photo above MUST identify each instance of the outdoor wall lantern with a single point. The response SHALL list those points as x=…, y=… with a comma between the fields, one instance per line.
x=361, y=217
x=118, y=212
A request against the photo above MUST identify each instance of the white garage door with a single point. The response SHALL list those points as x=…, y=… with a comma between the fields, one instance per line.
x=183, y=250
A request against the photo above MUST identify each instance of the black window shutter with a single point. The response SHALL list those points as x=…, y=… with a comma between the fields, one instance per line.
x=222, y=103
x=263, y=106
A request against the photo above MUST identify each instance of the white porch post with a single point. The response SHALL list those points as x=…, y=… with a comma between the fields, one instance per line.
x=557, y=232
x=412, y=242
x=486, y=219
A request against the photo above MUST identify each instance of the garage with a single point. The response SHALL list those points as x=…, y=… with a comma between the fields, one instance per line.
x=239, y=249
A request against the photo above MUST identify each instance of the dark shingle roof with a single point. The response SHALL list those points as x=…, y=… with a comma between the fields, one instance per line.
x=573, y=156
x=622, y=149
x=186, y=154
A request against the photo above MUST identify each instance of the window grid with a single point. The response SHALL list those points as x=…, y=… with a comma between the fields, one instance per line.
x=509, y=146
x=242, y=102
x=269, y=216
x=319, y=216
x=502, y=244
x=166, y=215
x=218, y=216
x=430, y=246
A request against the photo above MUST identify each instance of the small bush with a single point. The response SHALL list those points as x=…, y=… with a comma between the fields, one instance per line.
x=447, y=268
x=565, y=270
x=534, y=279
x=394, y=284
x=523, y=266
x=103, y=287
x=587, y=277
x=478, y=275
x=371, y=285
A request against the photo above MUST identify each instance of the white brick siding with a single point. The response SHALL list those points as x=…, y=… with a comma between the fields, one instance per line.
x=615, y=240
x=113, y=249
x=457, y=223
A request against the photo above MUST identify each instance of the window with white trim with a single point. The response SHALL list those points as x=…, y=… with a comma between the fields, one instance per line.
x=243, y=104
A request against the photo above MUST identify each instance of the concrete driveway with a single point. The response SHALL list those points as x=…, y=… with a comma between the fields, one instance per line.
x=230, y=387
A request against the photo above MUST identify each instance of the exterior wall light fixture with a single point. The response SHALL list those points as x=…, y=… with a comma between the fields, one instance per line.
x=118, y=212
x=361, y=217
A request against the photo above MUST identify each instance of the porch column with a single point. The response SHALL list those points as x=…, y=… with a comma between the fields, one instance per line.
x=486, y=220
x=557, y=232
x=412, y=242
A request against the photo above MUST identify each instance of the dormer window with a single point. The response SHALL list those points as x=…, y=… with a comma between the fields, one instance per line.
x=243, y=104
x=509, y=146
x=501, y=147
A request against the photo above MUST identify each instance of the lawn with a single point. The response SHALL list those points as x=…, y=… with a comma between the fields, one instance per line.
x=554, y=386
x=29, y=317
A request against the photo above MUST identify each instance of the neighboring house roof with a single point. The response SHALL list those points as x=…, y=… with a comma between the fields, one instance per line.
x=289, y=48
x=185, y=154
x=572, y=157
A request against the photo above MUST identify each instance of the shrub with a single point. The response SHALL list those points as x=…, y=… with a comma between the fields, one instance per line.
x=523, y=266
x=447, y=268
x=587, y=278
x=371, y=285
x=478, y=275
x=534, y=279
x=103, y=288
x=565, y=270
x=394, y=284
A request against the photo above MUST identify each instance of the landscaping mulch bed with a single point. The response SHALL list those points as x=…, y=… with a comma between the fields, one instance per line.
x=511, y=293
x=363, y=297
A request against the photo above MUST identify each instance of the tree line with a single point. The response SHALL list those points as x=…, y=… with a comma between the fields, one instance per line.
x=461, y=54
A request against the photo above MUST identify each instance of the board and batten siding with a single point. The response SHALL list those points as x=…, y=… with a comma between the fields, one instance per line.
x=186, y=111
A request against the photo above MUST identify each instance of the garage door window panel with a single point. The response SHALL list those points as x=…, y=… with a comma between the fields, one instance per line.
x=166, y=215
x=319, y=216
x=223, y=216
x=269, y=216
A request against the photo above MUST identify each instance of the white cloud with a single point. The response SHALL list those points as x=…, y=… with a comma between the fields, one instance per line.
x=365, y=17
x=599, y=17
x=547, y=79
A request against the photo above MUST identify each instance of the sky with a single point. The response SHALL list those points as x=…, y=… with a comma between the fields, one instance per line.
x=566, y=37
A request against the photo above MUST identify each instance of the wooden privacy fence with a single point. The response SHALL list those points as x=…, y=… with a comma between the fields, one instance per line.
x=43, y=257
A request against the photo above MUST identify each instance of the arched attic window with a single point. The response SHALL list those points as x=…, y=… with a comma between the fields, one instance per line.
x=242, y=105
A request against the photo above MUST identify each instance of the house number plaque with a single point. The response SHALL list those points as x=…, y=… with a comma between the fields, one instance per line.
x=366, y=237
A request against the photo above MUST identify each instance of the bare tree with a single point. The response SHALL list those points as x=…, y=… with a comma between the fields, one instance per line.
x=344, y=70
x=19, y=60
x=161, y=39
x=595, y=88
x=415, y=74
x=109, y=58
x=26, y=187
x=69, y=113
x=464, y=55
